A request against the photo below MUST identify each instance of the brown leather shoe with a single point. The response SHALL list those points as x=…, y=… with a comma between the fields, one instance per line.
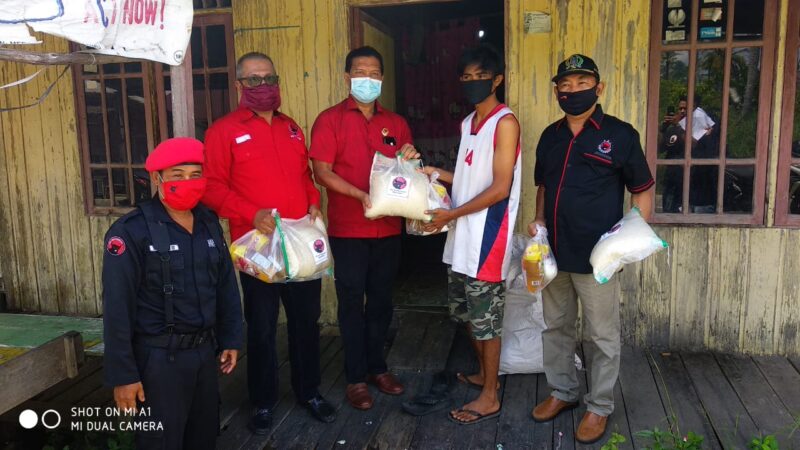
x=386, y=383
x=550, y=408
x=591, y=429
x=358, y=396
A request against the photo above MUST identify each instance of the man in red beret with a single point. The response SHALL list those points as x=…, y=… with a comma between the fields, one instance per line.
x=171, y=307
x=257, y=161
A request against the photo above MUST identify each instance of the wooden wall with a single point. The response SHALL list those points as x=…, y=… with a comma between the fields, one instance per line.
x=727, y=289
x=722, y=288
x=50, y=250
x=614, y=33
x=732, y=289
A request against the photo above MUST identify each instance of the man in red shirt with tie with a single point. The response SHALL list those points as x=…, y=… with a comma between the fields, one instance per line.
x=257, y=161
x=366, y=252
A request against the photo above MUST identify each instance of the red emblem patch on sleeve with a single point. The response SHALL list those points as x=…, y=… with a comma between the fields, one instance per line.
x=115, y=246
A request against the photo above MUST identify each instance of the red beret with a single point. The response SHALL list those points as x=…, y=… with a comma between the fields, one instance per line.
x=173, y=152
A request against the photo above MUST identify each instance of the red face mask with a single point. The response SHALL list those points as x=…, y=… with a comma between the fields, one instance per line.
x=183, y=195
x=261, y=98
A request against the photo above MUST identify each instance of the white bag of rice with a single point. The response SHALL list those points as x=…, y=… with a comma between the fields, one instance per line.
x=306, y=249
x=397, y=188
x=438, y=198
x=628, y=241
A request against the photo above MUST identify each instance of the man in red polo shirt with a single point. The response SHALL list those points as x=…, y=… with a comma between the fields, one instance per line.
x=344, y=140
x=256, y=161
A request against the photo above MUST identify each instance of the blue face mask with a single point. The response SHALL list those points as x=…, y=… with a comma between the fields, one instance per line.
x=365, y=89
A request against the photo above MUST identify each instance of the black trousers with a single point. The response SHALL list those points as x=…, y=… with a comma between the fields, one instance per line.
x=365, y=267
x=182, y=395
x=301, y=301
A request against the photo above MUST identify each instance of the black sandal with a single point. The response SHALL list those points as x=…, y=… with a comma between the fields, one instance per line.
x=478, y=417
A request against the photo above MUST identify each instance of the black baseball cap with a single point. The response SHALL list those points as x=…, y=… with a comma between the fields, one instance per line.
x=577, y=63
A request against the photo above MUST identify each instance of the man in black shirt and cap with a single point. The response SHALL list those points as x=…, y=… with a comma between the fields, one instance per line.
x=584, y=162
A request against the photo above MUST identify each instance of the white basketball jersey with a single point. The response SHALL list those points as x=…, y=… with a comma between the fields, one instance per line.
x=479, y=245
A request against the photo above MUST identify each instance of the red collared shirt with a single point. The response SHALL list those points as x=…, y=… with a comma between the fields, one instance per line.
x=343, y=137
x=252, y=165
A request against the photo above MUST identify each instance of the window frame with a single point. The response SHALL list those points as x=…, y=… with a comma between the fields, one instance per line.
x=152, y=76
x=202, y=20
x=87, y=166
x=767, y=43
x=790, y=69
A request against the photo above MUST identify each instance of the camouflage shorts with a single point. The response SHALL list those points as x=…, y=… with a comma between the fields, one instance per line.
x=479, y=303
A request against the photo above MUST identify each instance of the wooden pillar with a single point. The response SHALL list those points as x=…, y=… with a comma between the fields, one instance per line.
x=182, y=98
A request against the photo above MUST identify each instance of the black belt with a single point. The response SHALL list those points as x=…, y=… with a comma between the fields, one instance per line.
x=177, y=341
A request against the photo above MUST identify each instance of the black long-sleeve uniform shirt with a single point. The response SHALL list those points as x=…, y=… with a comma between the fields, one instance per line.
x=584, y=176
x=205, y=291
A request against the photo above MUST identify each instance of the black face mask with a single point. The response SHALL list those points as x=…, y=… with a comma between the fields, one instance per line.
x=577, y=103
x=476, y=91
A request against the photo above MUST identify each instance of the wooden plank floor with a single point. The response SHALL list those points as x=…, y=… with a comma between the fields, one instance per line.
x=20, y=333
x=726, y=399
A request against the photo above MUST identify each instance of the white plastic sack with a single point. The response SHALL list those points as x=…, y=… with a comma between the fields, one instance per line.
x=523, y=322
x=628, y=241
x=306, y=247
x=438, y=198
x=538, y=263
x=397, y=188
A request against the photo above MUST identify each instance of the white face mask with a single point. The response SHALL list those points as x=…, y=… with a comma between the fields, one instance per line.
x=365, y=89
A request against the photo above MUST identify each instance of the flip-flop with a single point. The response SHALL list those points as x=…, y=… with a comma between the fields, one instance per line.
x=479, y=417
x=465, y=380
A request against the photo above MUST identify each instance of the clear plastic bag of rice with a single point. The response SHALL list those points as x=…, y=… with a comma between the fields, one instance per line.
x=306, y=248
x=628, y=241
x=397, y=188
x=438, y=198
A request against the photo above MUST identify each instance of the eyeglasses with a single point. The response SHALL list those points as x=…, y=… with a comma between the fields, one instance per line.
x=255, y=80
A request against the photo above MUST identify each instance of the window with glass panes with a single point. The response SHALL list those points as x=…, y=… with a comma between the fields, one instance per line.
x=787, y=208
x=125, y=109
x=213, y=74
x=711, y=71
x=115, y=113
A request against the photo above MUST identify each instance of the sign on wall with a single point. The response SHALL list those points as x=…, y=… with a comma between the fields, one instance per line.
x=157, y=30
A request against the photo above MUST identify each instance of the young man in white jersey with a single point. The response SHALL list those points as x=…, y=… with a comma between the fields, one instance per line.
x=486, y=190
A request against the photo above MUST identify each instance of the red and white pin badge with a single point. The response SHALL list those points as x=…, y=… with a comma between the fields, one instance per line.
x=115, y=246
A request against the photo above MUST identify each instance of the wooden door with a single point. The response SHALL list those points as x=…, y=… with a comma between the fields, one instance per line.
x=369, y=31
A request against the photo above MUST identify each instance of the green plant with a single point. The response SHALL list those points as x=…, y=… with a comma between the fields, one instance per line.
x=667, y=440
x=121, y=441
x=763, y=443
x=796, y=424
x=613, y=443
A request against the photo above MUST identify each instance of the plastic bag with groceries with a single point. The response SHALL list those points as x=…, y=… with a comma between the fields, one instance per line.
x=538, y=263
x=438, y=198
x=297, y=250
x=259, y=255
